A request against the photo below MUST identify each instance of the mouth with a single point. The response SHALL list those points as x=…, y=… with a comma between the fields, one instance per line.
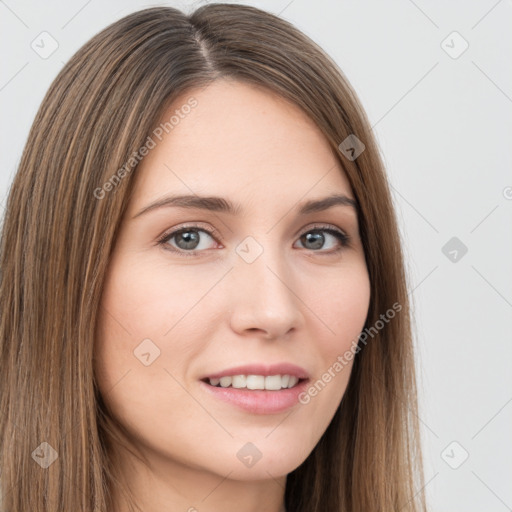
x=256, y=394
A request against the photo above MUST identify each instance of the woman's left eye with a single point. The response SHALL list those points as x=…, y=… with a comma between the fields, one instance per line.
x=316, y=238
x=187, y=240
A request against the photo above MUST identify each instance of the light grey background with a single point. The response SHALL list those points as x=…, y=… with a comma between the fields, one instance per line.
x=443, y=122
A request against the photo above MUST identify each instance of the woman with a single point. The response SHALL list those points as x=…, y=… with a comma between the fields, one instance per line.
x=202, y=287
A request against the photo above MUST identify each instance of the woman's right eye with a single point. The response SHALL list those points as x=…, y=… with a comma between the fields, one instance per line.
x=187, y=240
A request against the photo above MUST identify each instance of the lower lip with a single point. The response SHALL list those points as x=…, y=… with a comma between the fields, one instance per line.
x=258, y=401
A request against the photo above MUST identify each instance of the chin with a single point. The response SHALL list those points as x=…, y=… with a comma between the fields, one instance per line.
x=263, y=460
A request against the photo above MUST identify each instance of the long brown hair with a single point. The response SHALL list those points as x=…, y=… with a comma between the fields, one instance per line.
x=61, y=224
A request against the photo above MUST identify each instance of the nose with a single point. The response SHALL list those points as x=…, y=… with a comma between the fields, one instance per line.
x=262, y=297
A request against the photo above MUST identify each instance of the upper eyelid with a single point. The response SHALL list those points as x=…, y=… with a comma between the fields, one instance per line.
x=173, y=231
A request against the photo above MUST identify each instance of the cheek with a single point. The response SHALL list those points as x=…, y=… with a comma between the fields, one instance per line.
x=137, y=299
x=141, y=312
x=148, y=298
x=343, y=308
x=132, y=390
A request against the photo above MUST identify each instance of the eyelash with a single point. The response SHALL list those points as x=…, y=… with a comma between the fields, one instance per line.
x=343, y=238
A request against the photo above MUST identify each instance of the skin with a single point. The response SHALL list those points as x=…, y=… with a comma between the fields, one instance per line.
x=294, y=303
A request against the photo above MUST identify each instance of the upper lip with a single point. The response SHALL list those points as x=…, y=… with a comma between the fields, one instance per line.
x=261, y=369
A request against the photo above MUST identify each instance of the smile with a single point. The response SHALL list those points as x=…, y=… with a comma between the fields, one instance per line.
x=269, y=382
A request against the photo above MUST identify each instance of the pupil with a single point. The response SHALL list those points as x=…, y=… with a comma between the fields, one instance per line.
x=190, y=238
x=318, y=239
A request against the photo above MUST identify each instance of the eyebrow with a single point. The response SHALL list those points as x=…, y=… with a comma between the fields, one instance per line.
x=220, y=204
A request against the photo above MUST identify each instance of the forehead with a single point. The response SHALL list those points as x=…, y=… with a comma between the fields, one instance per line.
x=241, y=140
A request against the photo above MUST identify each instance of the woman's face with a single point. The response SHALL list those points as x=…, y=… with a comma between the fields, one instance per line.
x=193, y=291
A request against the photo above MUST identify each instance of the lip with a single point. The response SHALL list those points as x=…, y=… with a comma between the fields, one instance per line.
x=261, y=369
x=258, y=401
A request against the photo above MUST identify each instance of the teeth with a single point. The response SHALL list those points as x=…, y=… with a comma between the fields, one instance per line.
x=225, y=382
x=270, y=382
x=255, y=382
x=239, y=381
x=273, y=382
x=293, y=380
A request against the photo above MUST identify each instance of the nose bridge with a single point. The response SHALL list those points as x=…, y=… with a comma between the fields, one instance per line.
x=264, y=296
